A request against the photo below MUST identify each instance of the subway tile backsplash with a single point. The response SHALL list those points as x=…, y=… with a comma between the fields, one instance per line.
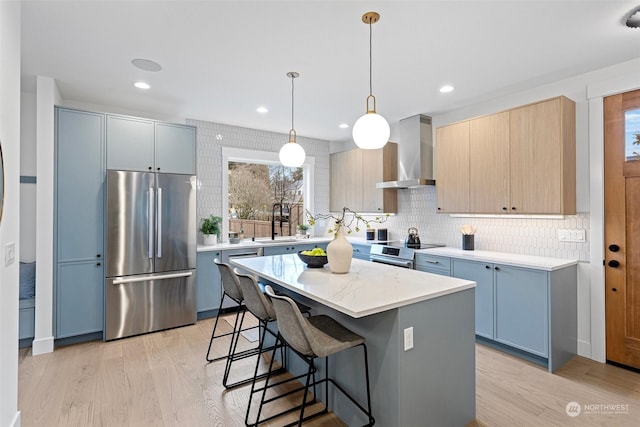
x=539, y=236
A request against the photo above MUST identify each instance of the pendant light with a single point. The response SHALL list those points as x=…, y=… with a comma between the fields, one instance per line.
x=292, y=153
x=371, y=131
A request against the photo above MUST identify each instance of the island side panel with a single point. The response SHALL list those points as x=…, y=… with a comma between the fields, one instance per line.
x=563, y=312
x=437, y=376
x=383, y=339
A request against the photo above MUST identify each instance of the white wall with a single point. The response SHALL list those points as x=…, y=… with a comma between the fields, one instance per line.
x=10, y=225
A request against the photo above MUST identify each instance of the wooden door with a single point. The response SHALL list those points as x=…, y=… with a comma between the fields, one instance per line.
x=489, y=164
x=622, y=227
x=452, y=168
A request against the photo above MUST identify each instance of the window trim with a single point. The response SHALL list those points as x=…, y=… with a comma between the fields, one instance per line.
x=230, y=154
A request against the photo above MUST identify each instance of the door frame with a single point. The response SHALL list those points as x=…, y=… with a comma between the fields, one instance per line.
x=595, y=97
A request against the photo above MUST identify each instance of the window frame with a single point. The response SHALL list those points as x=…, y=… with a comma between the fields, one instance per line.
x=230, y=154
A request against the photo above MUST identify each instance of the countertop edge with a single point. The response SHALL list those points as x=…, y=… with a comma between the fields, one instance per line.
x=257, y=244
x=505, y=258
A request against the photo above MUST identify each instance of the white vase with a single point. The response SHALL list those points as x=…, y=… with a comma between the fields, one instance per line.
x=210, y=239
x=339, y=253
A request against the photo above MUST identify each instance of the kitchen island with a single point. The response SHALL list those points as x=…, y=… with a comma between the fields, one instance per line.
x=432, y=383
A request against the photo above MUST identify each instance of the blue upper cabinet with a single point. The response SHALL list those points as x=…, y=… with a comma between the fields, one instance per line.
x=175, y=148
x=145, y=145
x=130, y=143
x=79, y=175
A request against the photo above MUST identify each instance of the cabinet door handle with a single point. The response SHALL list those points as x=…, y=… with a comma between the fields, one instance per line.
x=487, y=267
x=614, y=263
x=98, y=264
x=439, y=209
x=504, y=208
x=496, y=268
x=150, y=168
x=98, y=256
x=614, y=289
x=513, y=208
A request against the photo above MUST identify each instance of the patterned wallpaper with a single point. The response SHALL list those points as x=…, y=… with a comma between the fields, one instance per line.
x=417, y=206
x=213, y=136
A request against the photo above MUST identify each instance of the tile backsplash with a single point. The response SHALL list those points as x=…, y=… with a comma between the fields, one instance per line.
x=537, y=236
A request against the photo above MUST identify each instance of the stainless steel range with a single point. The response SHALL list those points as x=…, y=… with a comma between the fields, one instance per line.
x=398, y=255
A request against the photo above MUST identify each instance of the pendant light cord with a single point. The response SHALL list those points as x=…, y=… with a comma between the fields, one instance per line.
x=370, y=60
x=292, y=79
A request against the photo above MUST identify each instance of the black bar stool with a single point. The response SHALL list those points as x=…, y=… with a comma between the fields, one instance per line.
x=232, y=290
x=311, y=338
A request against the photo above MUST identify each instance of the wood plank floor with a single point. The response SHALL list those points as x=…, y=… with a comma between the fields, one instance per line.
x=162, y=379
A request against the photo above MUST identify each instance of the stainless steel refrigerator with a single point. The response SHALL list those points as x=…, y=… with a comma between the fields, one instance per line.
x=151, y=252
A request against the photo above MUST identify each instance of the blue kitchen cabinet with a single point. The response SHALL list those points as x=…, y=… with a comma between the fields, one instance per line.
x=80, y=298
x=208, y=282
x=433, y=264
x=175, y=149
x=146, y=145
x=78, y=222
x=522, y=309
x=361, y=251
x=130, y=143
x=483, y=274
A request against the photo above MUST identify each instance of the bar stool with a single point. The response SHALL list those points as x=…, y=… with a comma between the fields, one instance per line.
x=260, y=307
x=231, y=289
x=311, y=338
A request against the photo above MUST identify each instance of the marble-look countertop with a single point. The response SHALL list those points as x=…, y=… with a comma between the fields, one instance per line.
x=516, y=260
x=248, y=243
x=368, y=288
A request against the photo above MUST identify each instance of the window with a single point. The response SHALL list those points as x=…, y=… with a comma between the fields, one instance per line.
x=632, y=135
x=262, y=196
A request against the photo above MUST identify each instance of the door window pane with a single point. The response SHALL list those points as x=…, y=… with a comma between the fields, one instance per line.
x=632, y=135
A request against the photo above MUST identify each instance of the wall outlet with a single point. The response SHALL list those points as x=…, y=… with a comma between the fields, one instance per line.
x=408, y=338
x=578, y=236
x=9, y=254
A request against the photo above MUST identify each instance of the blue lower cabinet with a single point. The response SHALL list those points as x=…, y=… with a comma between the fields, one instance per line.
x=80, y=298
x=482, y=273
x=208, y=282
x=291, y=249
x=361, y=251
x=522, y=309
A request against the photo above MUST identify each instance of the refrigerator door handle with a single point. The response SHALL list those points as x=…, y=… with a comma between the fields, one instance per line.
x=159, y=223
x=151, y=215
x=123, y=280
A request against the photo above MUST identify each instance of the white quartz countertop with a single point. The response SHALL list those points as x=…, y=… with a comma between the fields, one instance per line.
x=248, y=243
x=368, y=288
x=517, y=260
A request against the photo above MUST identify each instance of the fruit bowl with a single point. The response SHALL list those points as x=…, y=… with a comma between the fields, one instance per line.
x=313, y=261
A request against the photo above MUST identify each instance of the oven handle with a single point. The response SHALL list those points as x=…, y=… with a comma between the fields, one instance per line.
x=405, y=264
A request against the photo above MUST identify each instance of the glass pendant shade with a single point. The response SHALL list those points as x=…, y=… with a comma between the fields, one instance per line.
x=371, y=131
x=292, y=155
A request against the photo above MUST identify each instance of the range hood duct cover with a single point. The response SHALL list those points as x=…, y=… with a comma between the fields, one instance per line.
x=415, y=154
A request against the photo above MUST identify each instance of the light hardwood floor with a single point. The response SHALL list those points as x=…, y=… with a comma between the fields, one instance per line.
x=162, y=379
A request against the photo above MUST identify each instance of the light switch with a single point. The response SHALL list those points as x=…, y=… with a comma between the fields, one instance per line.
x=9, y=254
x=408, y=338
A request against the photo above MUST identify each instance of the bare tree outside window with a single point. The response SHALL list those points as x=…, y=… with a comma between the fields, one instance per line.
x=254, y=189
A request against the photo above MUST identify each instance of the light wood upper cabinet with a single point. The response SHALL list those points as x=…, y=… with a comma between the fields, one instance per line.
x=354, y=175
x=543, y=158
x=489, y=164
x=519, y=161
x=452, y=168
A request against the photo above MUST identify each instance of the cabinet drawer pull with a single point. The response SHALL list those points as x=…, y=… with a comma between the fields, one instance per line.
x=432, y=262
x=98, y=264
x=487, y=267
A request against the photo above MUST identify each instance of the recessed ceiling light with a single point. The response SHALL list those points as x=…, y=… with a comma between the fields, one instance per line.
x=344, y=126
x=142, y=85
x=146, y=64
x=446, y=89
x=262, y=110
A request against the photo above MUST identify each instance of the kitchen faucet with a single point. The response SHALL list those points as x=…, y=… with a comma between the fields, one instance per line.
x=273, y=220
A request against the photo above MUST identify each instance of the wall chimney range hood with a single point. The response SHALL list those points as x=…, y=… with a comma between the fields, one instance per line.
x=415, y=154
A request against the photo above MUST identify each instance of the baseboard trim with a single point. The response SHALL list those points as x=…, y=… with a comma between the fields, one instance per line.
x=42, y=346
x=16, y=420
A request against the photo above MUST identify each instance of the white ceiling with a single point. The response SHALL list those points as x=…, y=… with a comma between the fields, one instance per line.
x=222, y=59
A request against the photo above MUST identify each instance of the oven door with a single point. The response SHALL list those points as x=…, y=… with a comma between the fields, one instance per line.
x=398, y=262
